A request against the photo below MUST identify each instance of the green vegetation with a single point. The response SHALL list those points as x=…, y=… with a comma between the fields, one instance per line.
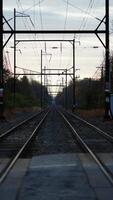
x=27, y=92
x=89, y=92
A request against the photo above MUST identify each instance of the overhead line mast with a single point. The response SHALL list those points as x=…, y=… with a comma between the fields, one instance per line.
x=97, y=31
x=1, y=62
x=108, y=113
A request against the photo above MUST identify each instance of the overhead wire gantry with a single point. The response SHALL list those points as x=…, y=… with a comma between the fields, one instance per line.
x=97, y=32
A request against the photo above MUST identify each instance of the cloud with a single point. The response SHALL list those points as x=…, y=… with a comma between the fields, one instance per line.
x=53, y=17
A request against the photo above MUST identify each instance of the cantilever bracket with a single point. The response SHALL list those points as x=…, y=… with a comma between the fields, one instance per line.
x=17, y=43
x=102, y=21
x=10, y=29
x=7, y=23
x=8, y=40
x=100, y=40
x=71, y=77
x=71, y=42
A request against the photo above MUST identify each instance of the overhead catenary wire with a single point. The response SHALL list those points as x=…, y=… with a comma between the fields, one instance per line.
x=66, y=17
x=25, y=24
x=28, y=27
x=83, y=11
x=41, y=19
x=35, y=4
x=40, y=15
x=85, y=18
x=34, y=13
x=33, y=24
x=67, y=3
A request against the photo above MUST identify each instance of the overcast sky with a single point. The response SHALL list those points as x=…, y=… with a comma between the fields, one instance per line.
x=57, y=14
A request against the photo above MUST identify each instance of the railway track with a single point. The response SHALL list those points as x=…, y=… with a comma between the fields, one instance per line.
x=13, y=138
x=80, y=139
x=88, y=144
x=26, y=132
x=103, y=133
x=14, y=127
x=99, y=140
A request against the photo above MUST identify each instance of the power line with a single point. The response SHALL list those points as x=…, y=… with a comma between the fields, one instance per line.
x=20, y=7
x=34, y=13
x=35, y=4
x=83, y=11
x=34, y=25
x=40, y=15
x=85, y=18
x=66, y=14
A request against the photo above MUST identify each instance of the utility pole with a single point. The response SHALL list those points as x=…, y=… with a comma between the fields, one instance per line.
x=102, y=73
x=74, y=103
x=66, y=91
x=44, y=84
x=14, y=58
x=1, y=63
x=41, y=83
x=107, y=66
x=63, y=89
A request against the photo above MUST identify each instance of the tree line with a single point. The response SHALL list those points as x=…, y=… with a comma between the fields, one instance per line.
x=27, y=92
x=89, y=92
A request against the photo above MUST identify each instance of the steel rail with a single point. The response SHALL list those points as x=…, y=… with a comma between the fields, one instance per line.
x=8, y=168
x=103, y=133
x=101, y=165
x=18, y=125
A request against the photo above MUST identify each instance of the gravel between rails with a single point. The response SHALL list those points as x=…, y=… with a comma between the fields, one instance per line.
x=20, y=116
x=94, y=140
x=105, y=125
x=13, y=142
x=54, y=137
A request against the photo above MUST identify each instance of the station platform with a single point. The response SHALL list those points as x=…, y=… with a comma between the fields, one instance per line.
x=58, y=177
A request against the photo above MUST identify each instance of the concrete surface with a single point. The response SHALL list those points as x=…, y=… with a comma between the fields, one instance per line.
x=103, y=189
x=10, y=187
x=56, y=177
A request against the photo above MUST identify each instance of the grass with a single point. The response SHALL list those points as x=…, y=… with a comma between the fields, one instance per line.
x=91, y=113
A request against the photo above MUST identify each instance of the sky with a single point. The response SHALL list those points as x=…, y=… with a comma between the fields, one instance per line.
x=58, y=15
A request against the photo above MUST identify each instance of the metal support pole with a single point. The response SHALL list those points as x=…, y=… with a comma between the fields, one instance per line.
x=41, y=84
x=66, y=91
x=44, y=84
x=63, y=82
x=14, y=89
x=1, y=63
x=107, y=66
x=74, y=103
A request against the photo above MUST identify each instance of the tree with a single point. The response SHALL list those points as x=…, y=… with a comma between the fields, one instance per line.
x=89, y=94
x=27, y=92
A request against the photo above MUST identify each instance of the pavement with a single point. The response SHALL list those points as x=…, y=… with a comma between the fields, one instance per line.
x=58, y=177
x=10, y=187
x=65, y=177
